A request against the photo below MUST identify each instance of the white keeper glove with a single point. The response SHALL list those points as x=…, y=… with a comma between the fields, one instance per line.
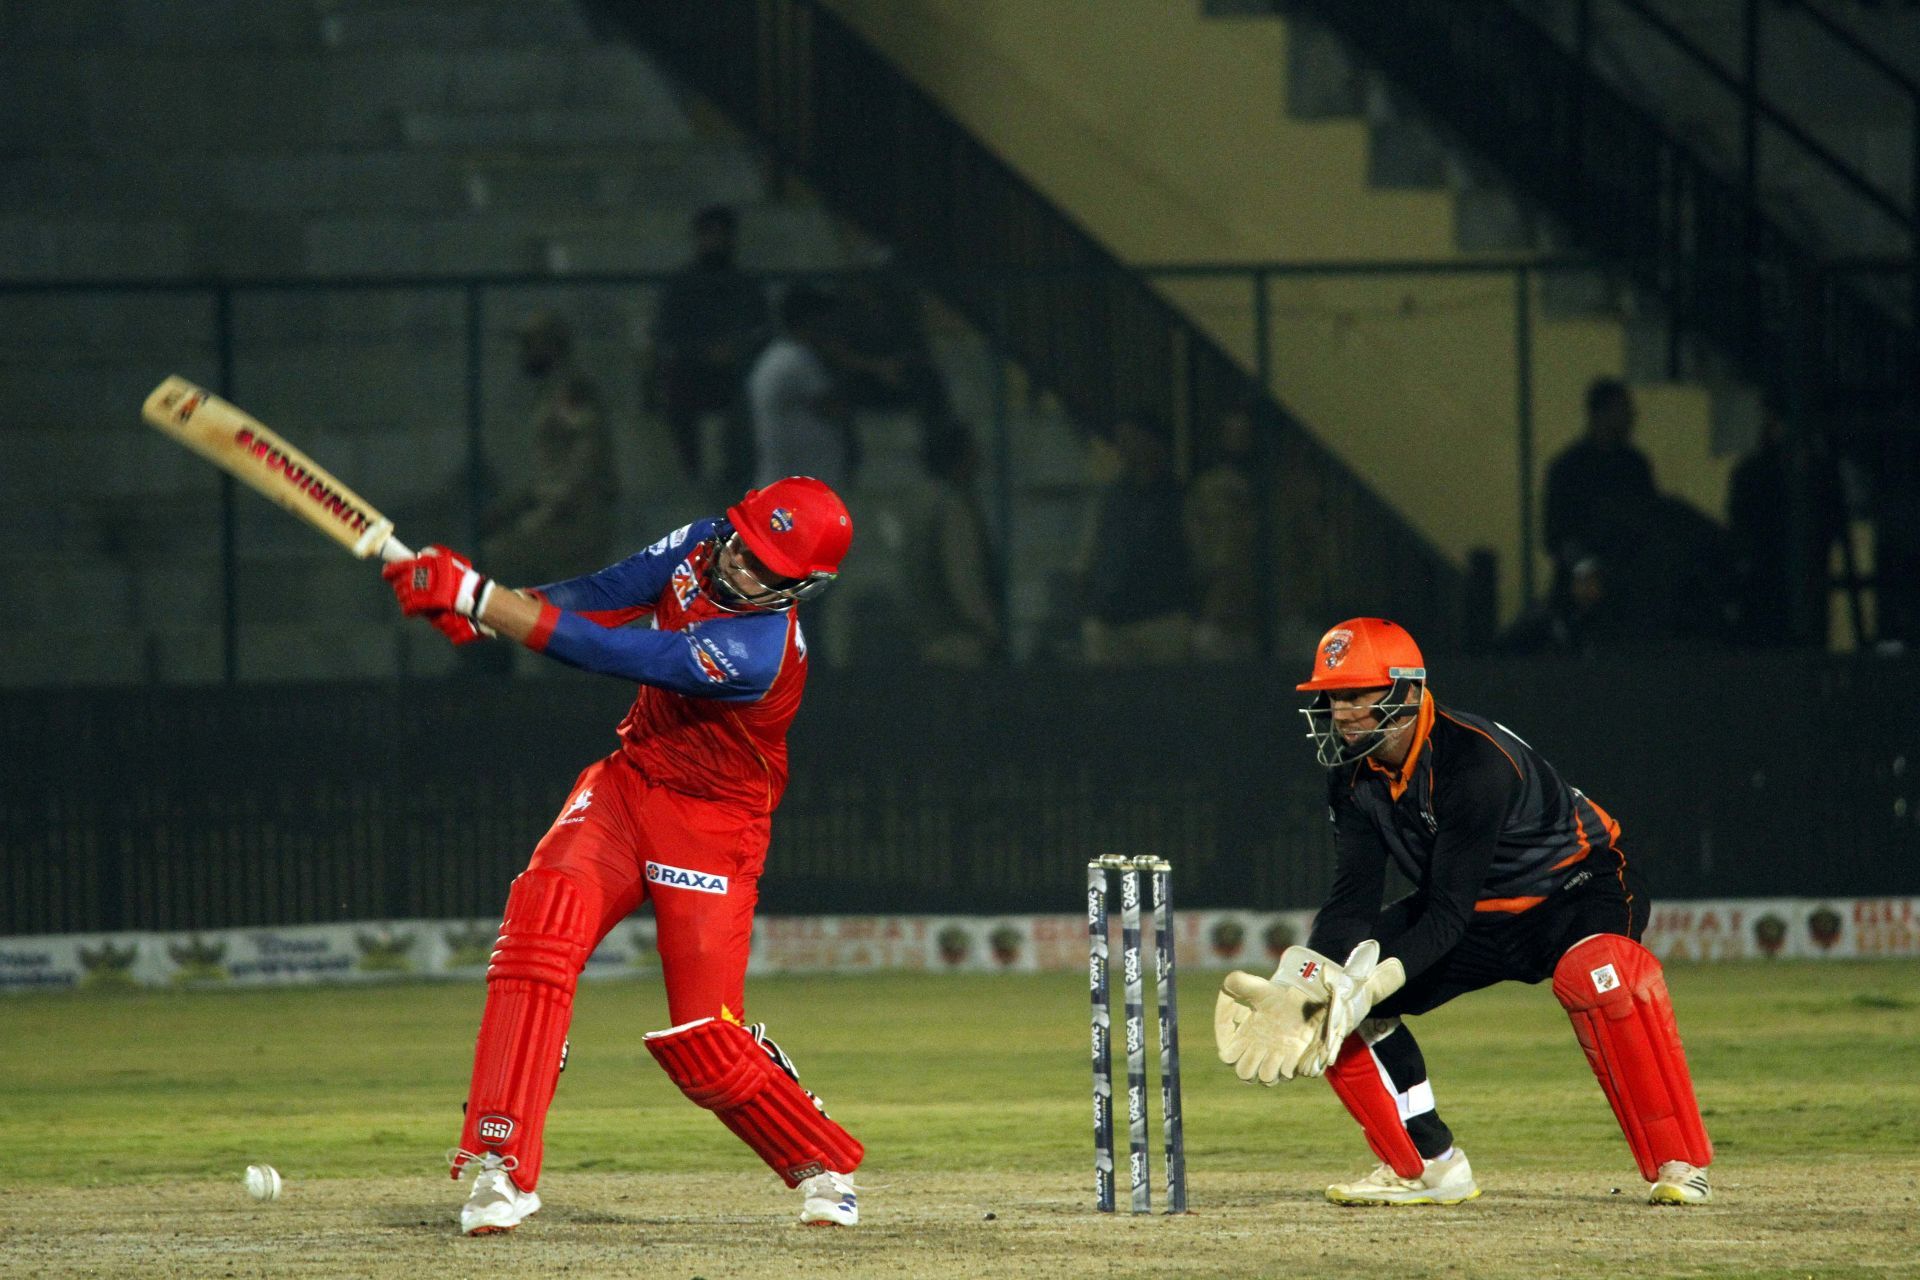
x=1270, y=1029
x=1354, y=988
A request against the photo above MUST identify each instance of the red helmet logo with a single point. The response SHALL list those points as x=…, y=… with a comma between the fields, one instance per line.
x=797, y=527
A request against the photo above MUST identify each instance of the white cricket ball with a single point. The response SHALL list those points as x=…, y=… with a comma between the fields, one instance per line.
x=263, y=1182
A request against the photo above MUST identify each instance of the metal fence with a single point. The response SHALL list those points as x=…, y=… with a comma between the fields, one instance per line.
x=410, y=398
x=176, y=809
x=404, y=387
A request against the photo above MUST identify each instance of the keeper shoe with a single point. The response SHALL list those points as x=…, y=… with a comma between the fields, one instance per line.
x=495, y=1204
x=1680, y=1183
x=1444, y=1181
x=829, y=1201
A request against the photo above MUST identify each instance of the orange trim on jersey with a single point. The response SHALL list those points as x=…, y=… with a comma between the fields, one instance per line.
x=1572, y=858
x=1580, y=834
x=1397, y=779
x=542, y=629
x=1622, y=873
x=1490, y=738
x=1511, y=906
x=1613, y=839
x=1606, y=819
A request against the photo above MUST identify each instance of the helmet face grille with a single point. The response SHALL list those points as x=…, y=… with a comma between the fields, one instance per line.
x=729, y=563
x=1333, y=750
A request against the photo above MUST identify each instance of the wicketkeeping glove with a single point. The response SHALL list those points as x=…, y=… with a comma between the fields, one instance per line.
x=1272, y=1029
x=1355, y=987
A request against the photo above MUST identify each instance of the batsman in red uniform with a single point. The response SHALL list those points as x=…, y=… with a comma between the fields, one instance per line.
x=1520, y=878
x=678, y=817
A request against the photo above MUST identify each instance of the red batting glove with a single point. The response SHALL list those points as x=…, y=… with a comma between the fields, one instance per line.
x=442, y=586
x=456, y=629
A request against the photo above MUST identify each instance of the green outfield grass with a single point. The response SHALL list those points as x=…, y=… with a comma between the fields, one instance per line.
x=1809, y=1062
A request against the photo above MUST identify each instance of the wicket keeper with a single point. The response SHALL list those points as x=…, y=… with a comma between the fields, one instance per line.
x=678, y=817
x=1521, y=877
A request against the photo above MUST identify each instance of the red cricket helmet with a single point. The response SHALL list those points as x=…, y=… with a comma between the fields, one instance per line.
x=1361, y=653
x=797, y=527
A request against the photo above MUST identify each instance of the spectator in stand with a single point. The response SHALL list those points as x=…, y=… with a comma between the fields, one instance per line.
x=1583, y=621
x=1223, y=530
x=560, y=522
x=710, y=320
x=1685, y=574
x=1599, y=489
x=880, y=345
x=1760, y=516
x=1139, y=582
x=801, y=426
x=959, y=597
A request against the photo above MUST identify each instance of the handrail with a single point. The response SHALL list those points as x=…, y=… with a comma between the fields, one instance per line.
x=884, y=154
x=1488, y=265
x=1680, y=40
x=1722, y=264
x=1858, y=46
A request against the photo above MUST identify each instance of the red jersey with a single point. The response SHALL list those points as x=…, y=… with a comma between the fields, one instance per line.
x=718, y=686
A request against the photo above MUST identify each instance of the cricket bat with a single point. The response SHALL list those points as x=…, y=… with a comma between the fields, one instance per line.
x=256, y=455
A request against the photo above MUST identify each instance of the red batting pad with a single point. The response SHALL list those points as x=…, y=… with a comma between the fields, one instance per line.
x=1614, y=992
x=1355, y=1077
x=720, y=1066
x=516, y=1063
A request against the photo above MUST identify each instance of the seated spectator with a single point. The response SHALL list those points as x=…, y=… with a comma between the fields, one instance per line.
x=1584, y=620
x=1687, y=564
x=959, y=596
x=1139, y=582
x=801, y=425
x=880, y=346
x=560, y=521
x=1600, y=488
x=1760, y=518
x=710, y=320
x=1223, y=531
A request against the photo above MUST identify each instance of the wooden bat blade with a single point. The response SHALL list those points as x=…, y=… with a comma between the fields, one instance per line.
x=259, y=457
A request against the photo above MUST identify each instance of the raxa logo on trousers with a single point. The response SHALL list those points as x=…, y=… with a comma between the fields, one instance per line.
x=681, y=878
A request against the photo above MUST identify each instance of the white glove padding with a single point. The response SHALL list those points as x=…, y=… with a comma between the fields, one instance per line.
x=1270, y=1029
x=1354, y=988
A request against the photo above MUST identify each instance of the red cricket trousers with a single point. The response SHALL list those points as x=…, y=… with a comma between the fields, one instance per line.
x=623, y=841
x=618, y=841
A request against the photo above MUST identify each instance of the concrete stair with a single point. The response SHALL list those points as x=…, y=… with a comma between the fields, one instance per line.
x=1853, y=110
x=374, y=140
x=1409, y=151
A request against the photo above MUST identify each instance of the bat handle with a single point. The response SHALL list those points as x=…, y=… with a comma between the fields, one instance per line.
x=394, y=549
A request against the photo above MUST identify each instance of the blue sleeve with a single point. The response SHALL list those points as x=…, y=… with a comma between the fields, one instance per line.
x=635, y=582
x=730, y=659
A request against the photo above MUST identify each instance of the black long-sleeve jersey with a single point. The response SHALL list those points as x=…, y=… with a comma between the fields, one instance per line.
x=1476, y=818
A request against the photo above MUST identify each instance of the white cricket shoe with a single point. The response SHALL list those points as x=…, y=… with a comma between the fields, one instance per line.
x=1448, y=1180
x=829, y=1201
x=495, y=1204
x=1680, y=1183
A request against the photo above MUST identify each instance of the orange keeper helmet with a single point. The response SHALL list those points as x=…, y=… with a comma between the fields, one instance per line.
x=1359, y=654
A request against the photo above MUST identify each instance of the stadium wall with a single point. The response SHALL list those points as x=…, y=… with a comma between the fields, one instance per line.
x=176, y=809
